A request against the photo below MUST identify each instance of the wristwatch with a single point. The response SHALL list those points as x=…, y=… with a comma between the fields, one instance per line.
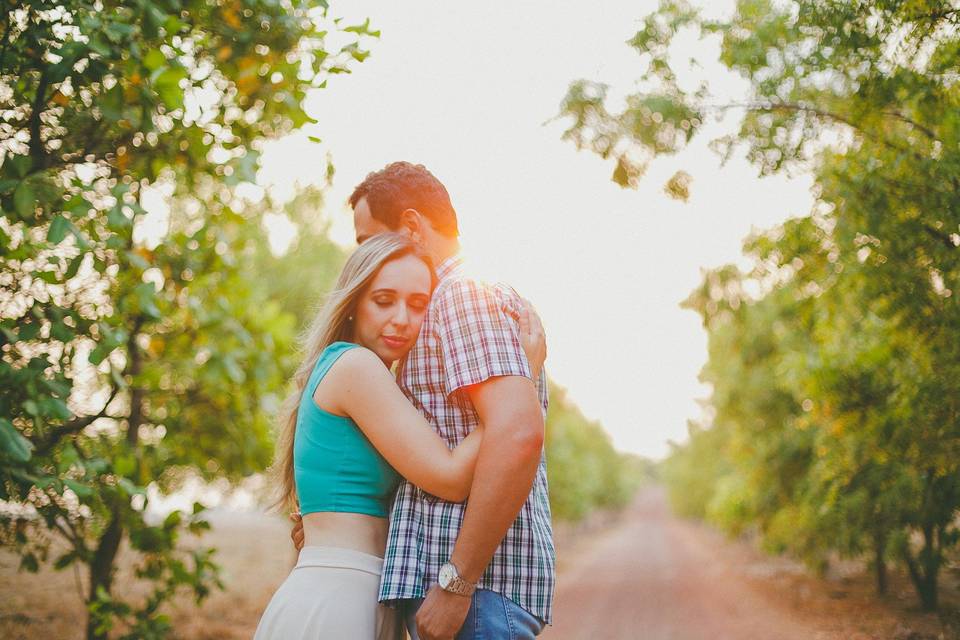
x=450, y=580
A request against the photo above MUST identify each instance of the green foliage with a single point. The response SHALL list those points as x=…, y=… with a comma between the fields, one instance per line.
x=834, y=360
x=585, y=471
x=691, y=471
x=132, y=357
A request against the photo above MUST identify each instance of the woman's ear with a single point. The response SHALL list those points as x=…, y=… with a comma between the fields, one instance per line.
x=411, y=224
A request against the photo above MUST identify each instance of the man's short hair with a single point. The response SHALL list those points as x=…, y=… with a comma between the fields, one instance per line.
x=403, y=185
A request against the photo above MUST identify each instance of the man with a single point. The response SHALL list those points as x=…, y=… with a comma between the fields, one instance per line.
x=485, y=567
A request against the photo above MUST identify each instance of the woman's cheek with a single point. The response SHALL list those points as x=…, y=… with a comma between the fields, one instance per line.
x=419, y=320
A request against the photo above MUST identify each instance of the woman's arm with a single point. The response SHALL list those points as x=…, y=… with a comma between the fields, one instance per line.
x=361, y=387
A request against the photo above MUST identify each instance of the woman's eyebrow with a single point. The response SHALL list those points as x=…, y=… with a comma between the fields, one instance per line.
x=383, y=290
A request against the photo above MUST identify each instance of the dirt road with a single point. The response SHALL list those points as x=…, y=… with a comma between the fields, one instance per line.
x=655, y=577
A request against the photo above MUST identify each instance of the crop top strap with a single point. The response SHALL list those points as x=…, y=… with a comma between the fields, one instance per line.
x=327, y=358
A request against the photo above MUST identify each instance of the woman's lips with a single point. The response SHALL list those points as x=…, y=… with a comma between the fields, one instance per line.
x=394, y=342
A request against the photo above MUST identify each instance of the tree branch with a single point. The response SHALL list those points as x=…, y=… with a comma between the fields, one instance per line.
x=7, y=27
x=74, y=426
x=802, y=108
x=938, y=235
x=919, y=127
x=935, y=16
x=75, y=538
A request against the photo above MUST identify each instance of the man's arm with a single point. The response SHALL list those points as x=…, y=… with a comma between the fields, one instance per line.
x=509, y=408
x=506, y=468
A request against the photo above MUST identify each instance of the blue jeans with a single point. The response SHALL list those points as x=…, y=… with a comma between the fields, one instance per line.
x=491, y=617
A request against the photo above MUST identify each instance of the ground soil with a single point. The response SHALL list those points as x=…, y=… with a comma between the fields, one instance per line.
x=654, y=576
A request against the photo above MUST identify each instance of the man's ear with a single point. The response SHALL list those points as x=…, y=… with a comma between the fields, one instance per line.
x=411, y=224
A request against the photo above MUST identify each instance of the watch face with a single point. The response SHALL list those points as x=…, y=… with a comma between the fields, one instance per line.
x=446, y=576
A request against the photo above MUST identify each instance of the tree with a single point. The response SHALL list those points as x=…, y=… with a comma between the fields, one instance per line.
x=585, y=471
x=863, y=95
x=130, y=357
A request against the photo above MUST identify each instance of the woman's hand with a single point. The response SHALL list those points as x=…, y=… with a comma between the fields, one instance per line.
x=533, y=339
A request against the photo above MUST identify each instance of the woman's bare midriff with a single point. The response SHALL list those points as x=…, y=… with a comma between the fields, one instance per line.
x=356, y=531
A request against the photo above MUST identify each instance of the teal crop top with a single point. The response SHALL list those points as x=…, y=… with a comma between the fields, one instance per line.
x=335, y=467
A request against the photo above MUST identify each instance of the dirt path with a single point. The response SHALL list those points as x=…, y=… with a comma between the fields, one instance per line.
x=656, y=577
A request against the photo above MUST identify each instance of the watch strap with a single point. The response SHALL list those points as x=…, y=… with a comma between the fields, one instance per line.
x=458, y=585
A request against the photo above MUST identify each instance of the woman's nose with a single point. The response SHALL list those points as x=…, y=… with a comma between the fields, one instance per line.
x=402, y=316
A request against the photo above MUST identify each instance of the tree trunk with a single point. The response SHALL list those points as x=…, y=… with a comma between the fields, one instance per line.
x=880, y=561
x=925, y=570
x=101, y=570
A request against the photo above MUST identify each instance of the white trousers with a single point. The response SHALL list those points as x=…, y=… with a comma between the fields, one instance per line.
x=330, y=594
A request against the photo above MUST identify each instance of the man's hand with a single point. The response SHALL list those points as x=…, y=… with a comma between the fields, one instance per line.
x=297, y=533
x=442, y=614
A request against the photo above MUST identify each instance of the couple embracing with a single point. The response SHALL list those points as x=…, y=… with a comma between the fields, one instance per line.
x=423, y=495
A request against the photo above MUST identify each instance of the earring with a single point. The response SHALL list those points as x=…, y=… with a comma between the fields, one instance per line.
x=349, y=318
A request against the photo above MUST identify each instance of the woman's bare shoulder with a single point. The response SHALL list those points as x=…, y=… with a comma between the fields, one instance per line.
x=358, y=362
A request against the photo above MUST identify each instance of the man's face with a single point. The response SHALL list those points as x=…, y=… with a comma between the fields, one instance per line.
x=365, y=225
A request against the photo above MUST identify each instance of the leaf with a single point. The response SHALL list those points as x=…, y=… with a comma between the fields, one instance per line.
x=198, y=526
x=172, y=520
x=362, y=29
x=59, y=387
x=116, y=220
x=130, y=488
x=136, y=258
x=117, y=376
x=82, y=490
x=147, y=296
x=61, y=332
x=13, y=443
x=168, y=87
x=99, y=46
x=56, y=408
x=233, y=369
x=74, y=267
x=59, y=228
x=154, y=59
x=117, y=31
x=678, y=186
x=29, y=563
x=50, y=277
x=100, y=352
x=24, y=200
x=124, y=465
x=28, y=331
x=21, y=165
x=65, y=560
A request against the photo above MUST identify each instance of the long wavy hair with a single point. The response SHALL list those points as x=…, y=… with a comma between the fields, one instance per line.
x=332, y=324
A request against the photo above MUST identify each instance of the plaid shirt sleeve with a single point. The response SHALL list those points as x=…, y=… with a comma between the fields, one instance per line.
x=477, y=336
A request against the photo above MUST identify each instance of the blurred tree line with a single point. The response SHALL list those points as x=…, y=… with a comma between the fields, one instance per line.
x=834, y=359
x=131, y=353
x=584, y=471
x=141, y=348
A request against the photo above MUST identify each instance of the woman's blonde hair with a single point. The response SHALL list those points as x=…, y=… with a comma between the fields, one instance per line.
x=333, y=323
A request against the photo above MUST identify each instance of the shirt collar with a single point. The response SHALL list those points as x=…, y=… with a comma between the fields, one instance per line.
x=448, y=266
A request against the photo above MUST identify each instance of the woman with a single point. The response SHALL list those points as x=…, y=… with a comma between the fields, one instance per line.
x=349, y=431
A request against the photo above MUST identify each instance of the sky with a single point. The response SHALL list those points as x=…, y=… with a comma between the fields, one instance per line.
x=473, y=92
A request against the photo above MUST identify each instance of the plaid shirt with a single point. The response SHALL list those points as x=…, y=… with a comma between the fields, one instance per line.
x=468, y=336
